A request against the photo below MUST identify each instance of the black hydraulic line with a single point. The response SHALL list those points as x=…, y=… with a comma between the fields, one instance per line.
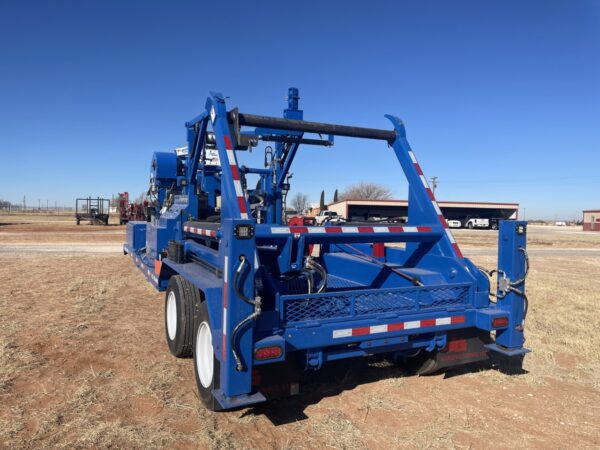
x=239, y=366
x=277, y=123
x=415, y=281
x=312, y=264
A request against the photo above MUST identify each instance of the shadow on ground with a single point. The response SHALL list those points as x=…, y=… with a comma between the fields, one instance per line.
x=341, y=376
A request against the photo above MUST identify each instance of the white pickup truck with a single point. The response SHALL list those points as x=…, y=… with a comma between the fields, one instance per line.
x=325, y=216
x=473, y=222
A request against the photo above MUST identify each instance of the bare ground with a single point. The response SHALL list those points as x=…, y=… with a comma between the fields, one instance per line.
x=83, y=363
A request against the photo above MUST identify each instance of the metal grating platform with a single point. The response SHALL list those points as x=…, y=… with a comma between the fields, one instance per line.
x=364, y=303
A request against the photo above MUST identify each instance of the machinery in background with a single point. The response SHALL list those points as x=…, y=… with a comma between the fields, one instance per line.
x=300, y=220
x=257, y=301
x=94, y=210
x=131, y=210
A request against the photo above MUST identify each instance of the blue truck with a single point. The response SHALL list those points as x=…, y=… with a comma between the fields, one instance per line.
x=258, y=302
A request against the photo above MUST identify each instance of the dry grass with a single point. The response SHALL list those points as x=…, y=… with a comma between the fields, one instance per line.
x=20, y=217
x=14, y=360
x=90, y=295
x=564, y=314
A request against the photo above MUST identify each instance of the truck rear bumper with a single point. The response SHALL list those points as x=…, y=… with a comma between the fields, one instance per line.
x=392, y=332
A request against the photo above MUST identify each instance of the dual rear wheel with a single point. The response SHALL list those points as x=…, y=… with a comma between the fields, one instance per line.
x=188, y=333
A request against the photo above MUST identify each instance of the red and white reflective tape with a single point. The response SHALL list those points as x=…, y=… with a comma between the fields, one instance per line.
x=200, y=231
x=237, y=182
x=438, y=211
x=412, y=325
x=225, y=295
x=359, y=229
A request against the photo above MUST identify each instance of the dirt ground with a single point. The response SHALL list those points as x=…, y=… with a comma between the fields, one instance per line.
x=84, y=363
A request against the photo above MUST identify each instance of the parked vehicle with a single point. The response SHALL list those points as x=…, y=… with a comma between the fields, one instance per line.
x=326, y=216
x=454, y=223
x=474, y=222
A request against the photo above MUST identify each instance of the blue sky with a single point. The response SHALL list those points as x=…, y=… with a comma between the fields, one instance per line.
x=501, y=99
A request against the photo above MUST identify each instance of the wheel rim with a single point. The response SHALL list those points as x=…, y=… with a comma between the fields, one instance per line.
x=204, y=355
x=171, y=315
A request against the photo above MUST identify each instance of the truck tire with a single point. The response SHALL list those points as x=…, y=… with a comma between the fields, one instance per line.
x=494, y=226
x=470, y=225
x=207, y=369
x=422, y=363
x=180, y=300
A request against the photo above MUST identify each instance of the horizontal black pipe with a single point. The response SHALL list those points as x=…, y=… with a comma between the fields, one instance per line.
x=296, y=140
x=277, y=123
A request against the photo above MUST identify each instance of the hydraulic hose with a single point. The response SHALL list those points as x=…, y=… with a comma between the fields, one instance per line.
x=311, y=263
x=415, y=281
x=512, y=285
x=239, y=366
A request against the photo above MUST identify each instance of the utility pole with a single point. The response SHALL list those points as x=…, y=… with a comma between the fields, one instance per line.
x=24, y=203
x=434, y=184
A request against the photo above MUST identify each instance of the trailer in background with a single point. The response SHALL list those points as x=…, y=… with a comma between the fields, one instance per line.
x=94, y=210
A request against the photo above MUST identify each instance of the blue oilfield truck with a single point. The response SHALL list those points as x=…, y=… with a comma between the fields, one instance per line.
x=258, y=302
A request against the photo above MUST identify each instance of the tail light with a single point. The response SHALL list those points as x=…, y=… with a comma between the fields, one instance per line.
x=500, y=322
x=263, y=353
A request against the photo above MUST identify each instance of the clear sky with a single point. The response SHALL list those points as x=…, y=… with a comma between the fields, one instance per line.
x=501, y=99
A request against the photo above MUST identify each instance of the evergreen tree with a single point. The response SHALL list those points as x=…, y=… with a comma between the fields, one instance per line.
x=322, y=206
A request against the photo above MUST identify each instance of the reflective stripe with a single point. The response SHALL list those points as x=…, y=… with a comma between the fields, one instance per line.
x=379, y=329
x=411, y=325
x=359, y=230
x=239, y=192
x=342, y=333
x=412, y=156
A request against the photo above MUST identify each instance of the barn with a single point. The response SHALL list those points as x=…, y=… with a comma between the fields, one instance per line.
x=591, y=220
x=357, y=210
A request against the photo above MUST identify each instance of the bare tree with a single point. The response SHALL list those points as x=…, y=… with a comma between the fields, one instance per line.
x=299, y=202
x=366, y=191
x=141, y=198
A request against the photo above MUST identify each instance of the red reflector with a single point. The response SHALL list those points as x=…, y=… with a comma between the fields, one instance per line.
x=500, y=322
x=268, y=352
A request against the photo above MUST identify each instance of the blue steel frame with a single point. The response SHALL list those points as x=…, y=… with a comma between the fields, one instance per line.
x=431, y=254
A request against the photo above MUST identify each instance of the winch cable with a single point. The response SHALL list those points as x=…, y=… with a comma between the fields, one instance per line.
x=239, y=366
x=362, y=255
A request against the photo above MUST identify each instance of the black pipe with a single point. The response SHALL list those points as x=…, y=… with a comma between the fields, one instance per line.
x=277, y=123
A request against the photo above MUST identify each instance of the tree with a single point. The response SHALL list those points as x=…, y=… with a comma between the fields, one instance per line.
x=299, y=202
x=335, y=196
x=322, y=205
x=366, y=191
x=141, y=198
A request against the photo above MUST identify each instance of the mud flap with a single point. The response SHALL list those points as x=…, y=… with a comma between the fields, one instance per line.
x=463, y=347
x=277, y=380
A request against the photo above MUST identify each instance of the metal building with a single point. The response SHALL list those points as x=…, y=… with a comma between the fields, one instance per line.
x=591, y=220
x=363, y=209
